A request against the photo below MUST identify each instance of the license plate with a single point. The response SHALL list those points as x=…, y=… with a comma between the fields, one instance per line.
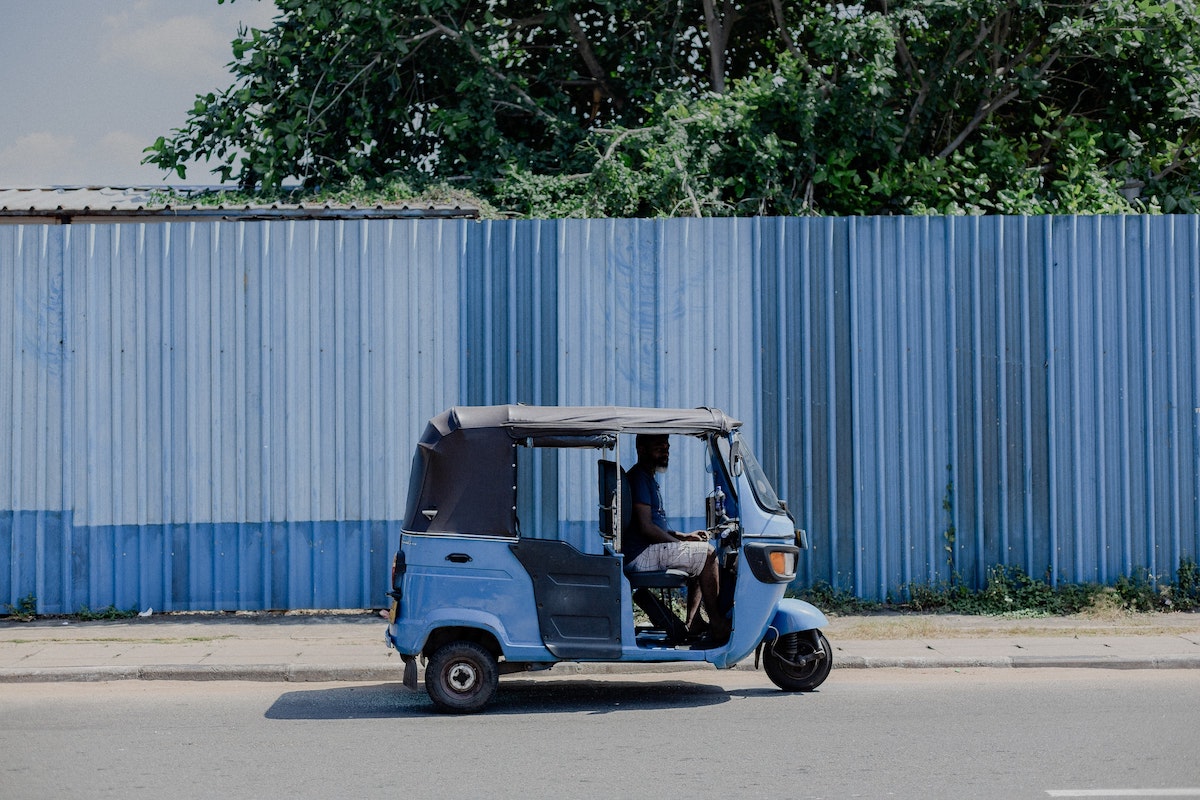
x=393, y=612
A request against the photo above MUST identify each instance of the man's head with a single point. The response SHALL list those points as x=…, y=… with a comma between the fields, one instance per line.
x=654, y=450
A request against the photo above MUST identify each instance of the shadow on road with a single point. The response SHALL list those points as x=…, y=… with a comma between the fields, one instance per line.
x=390, y=700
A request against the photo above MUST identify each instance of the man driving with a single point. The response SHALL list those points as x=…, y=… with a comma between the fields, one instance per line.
x=650, y=544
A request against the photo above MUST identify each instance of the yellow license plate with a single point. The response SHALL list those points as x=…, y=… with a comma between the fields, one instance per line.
x=393, y=612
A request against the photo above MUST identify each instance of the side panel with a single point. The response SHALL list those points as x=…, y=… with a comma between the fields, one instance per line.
x=472, y=582
x=753, y=608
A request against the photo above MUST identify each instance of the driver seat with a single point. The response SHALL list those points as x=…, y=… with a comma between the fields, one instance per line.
x=651, y=592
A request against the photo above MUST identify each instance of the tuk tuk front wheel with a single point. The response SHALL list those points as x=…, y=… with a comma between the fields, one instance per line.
x=798, y=662
x=461, y=677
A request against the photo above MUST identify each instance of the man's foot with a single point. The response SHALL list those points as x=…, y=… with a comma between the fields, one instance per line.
x=716, y=635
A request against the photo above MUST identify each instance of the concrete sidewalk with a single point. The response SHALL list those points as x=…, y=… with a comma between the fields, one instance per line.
x=349, y=646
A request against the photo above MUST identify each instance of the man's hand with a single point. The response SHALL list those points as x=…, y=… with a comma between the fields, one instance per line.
x=694, y=536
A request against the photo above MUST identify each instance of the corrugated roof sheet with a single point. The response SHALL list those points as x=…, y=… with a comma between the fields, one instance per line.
x=64, y=205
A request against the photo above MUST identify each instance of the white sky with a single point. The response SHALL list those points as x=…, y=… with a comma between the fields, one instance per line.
x=88, y=84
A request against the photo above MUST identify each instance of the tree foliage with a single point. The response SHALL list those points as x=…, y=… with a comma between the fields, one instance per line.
x=619, y=108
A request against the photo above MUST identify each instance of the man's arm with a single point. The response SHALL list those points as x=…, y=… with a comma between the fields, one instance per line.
x=656, y=535
x=645, y=522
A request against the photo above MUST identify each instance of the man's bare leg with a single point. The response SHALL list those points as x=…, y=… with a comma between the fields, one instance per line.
x=693, y=603
x=709, y=589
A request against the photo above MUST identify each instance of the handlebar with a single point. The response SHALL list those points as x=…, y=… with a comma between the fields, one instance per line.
x=722, y=530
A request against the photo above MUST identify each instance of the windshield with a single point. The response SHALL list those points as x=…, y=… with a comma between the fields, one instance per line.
x=764, y=493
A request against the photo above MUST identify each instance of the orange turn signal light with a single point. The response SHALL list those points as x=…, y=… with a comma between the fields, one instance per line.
x=782, y=563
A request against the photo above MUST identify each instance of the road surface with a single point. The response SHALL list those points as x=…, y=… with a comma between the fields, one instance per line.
x=986, y=733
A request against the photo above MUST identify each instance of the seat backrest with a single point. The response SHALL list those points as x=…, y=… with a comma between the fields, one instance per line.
x=606, y=484
x=626, y=504
x=610, y=479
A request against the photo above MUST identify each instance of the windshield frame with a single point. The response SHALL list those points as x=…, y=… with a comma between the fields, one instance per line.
x=760, y=485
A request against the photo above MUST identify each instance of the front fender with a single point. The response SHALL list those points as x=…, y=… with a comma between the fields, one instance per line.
x=792, y=616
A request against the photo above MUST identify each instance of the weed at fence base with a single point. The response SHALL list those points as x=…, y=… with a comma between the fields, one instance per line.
x=1011, y=591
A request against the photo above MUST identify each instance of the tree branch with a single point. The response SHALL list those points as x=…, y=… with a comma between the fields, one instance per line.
x=346, y=87
x=718, y=39
x=982, y=113
x=781, y=24
x=687, y=188
x=533, y=107
x=799, y=54
x=309, y=119
x=1180, y=159
x=590, y=61
x=620, y=135
x=913, y=70
x=985, y=109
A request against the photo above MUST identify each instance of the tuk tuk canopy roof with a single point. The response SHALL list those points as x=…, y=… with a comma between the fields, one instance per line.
x=523, y=421
x=464, y=470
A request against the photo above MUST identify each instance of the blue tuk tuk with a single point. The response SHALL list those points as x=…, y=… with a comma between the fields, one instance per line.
x=478, y=592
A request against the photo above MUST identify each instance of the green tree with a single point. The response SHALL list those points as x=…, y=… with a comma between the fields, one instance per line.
x=619, y=108
x=435, y=88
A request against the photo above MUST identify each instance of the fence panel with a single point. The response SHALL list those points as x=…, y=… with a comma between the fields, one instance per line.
x=221, y=415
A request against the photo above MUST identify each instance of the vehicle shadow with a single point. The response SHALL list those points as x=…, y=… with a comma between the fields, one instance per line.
x=390, y=700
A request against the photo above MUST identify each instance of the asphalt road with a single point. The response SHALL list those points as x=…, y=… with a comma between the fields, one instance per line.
x=984, y=733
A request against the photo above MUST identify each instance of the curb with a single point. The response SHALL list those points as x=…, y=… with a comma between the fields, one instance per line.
x=318, y=673
x=922, y=662
x=1021, y=662
x=302, y=673
x=1111, y=662
x=282, y=673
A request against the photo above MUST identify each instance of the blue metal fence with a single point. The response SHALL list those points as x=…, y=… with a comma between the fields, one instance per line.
x=222, y=415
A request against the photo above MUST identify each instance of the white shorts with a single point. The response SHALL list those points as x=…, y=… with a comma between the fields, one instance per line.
x=686, y=556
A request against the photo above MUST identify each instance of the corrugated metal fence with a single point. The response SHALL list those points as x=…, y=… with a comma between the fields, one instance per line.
x=222, y=415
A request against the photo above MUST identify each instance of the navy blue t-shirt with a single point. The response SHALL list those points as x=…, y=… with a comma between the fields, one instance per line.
x=643, y=488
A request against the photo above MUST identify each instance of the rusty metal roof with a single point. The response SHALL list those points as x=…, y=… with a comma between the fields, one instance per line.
x=101, y=204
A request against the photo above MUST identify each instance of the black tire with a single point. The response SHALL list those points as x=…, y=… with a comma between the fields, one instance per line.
x=461, y=677
x=779, y=658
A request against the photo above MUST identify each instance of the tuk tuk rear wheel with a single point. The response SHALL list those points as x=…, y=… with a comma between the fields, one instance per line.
x=461, y=677
x=788, y=665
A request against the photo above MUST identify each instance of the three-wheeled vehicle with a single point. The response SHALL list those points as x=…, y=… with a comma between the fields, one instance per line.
x=477, y=591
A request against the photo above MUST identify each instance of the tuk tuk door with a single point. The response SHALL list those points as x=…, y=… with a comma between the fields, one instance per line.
x=578, y=597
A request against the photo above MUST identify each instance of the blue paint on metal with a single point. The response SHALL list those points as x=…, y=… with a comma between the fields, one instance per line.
x=953, y=470
x=1000, y=293
x=857, y=488
x=213, y=566
x=222, y=415
x=796, y=615
x=1026, y=397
